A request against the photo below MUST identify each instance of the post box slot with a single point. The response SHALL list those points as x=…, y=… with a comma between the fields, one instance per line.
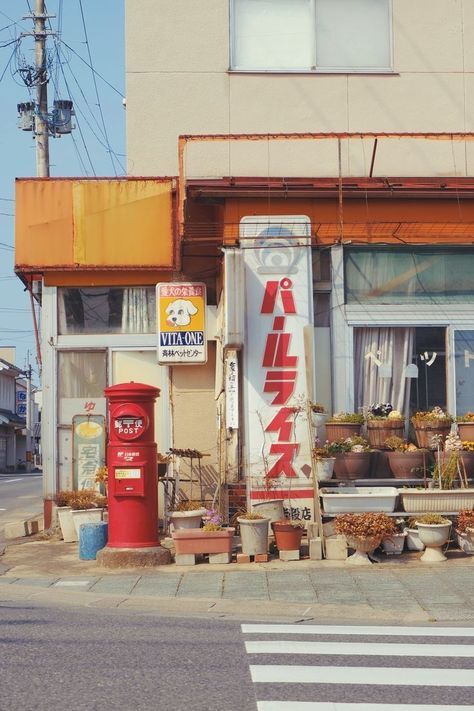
x=129, y=481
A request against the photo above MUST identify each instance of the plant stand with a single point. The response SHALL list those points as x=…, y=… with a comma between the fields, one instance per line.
x=434, y=536
x=363, y=548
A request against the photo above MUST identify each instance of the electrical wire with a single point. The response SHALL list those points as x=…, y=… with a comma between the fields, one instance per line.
x=120, y=93
x=97, y=90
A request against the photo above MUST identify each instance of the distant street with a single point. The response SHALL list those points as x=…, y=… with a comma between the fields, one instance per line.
x=20, y=497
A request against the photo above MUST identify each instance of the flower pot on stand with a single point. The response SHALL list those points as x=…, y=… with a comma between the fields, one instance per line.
x=425, y=432
x=380, y=430
x=434, y=536
x=254, y=535
x=325, y=468
x=409, y=465
x=352, y=465
x=466, y=431
x=342, y=430
x=362, y=548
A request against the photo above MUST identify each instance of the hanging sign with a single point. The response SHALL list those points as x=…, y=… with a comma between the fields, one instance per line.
x=88, y=448
x=181, y=314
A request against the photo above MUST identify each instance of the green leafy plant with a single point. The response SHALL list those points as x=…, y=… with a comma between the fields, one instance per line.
x=432, y=519
x=365, y=525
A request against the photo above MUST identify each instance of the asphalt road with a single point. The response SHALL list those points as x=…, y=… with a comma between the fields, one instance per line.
x=20, y=496
x=87, y=659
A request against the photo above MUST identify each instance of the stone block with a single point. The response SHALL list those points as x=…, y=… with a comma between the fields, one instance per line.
x=313, y=530
x=289, y=555
x=243, y=558
x=261, y=558
x=336, y=548
x=329, y=528
x=315, y=549
x=219, y=558
x=185, y=559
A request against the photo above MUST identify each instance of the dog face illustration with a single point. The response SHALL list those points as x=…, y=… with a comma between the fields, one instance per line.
x=180, y=312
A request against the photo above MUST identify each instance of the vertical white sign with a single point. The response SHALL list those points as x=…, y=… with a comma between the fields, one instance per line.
x=279, y=304
x=232, y=392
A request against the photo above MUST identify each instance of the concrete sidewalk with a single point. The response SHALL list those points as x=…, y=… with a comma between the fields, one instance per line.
x=399, y=590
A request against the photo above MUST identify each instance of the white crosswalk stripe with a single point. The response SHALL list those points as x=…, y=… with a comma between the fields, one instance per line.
x=434, y=665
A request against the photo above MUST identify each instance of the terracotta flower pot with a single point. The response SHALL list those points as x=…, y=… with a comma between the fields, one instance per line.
x=466, y=431
x=425, y=431
x=287, y=537
x=352, y=465
x=379, y=430
x=341, y=430
x=196, y=541
x=408, y=465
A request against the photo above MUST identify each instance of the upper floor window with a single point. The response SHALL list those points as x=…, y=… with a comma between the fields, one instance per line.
x=106, y=309
x=311, y=35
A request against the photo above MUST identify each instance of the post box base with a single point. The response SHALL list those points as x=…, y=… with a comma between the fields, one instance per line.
x=133, y=557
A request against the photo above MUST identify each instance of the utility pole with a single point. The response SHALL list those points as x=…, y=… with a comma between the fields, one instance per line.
x=41, y=117
x=29, y=420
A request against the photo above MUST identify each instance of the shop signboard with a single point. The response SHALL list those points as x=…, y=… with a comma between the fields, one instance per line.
x=278, y=289
x=88, y=447
x=181, y=316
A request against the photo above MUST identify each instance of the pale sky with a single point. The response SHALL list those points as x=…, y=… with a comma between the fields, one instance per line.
x=80, y=155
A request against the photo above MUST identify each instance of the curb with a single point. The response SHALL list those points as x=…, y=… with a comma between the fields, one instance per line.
x=20, y=529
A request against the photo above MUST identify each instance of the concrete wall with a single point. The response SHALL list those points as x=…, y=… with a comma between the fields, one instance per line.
x=178, y=82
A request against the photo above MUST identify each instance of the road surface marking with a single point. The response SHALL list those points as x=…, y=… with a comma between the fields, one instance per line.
x=361, y=649
x=334, y=706
x=354, y=630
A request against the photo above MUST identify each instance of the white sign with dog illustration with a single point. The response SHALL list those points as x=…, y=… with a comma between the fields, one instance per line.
x=181, y=315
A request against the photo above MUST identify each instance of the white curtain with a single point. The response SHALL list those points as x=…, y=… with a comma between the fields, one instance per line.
x=393, y=347
x=137, y=311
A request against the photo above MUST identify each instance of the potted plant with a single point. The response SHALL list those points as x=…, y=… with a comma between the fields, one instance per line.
x=364, y=532
x=319, y=414
x=433, y=529
x=64, y=510
x=406, y=460
x=101, y=478
x=465, y=424
x=413, y=538
x=428, y=423
x=383, y=422
x=253, y=532
x=352, y=458
x=212, y=538
x=464, y=530
x=344, y=424
x=85, y=509
x=187, y=513
x=324, y=458
x=394, y=543
x=288, y=534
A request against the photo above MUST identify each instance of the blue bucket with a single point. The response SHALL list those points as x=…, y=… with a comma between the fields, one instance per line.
x=92, y=537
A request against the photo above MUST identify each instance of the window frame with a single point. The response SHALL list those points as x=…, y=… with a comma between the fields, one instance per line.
x=310, y=70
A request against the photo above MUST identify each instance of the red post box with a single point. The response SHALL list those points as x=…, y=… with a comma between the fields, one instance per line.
x=132, y=466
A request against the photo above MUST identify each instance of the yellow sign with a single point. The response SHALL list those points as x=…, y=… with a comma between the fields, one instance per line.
x=181, y=313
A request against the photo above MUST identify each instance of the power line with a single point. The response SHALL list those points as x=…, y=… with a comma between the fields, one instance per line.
x=120, y=93
x=96, y=89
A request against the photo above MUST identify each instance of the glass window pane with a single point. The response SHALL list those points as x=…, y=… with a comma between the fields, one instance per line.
x=464, y=371
x=81, y=374
x=272, y=34
x=353, y=34
x=106, y=310
x=395, y=275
